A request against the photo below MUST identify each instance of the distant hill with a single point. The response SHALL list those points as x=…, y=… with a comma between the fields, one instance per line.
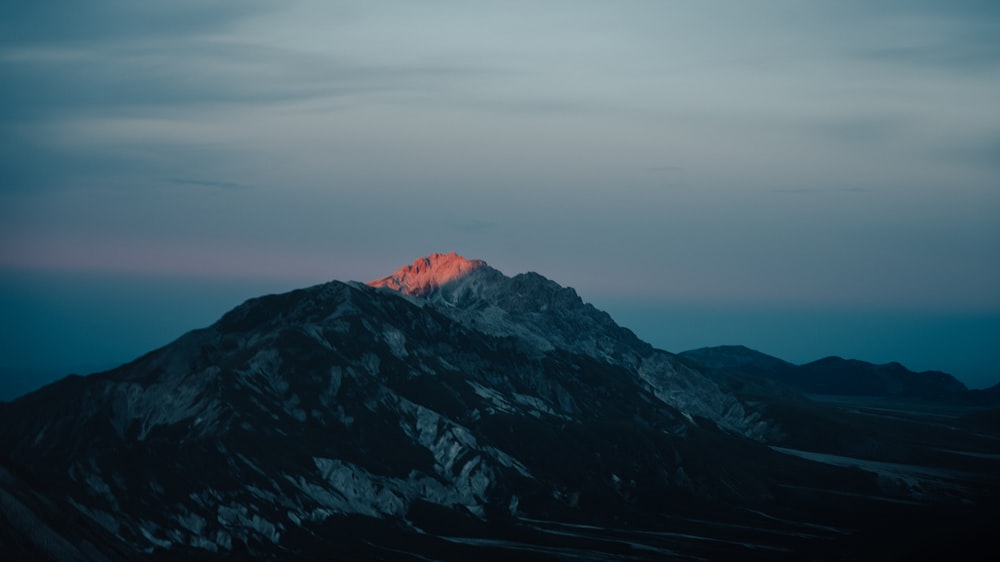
x=739, y=359
x=835, y=375
x=986, y=396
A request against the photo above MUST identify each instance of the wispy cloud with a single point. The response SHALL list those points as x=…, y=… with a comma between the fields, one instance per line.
x=873, y=128
x=952, y=56
x=535, y=121
x=981, y=151
x=472, y=225
x=823, y=190
x=101, y=21
x=171, y=77
x=210, y=183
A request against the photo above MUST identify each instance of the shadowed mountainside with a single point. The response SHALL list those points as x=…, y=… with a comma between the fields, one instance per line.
x=471, y=415
x=831, y=375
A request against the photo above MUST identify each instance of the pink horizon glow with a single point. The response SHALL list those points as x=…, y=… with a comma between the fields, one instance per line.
x=176, y=260
x=310, y=265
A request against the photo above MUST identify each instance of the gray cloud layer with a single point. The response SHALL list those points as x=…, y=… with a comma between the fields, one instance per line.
x=666, y=139
x=61, y=22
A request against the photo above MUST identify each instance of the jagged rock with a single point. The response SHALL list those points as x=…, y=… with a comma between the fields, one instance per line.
x=351, y=420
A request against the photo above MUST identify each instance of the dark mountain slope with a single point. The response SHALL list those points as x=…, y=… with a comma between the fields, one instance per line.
x=481, y=416
x=834, y=375
x=738, y=359
x=831, y=375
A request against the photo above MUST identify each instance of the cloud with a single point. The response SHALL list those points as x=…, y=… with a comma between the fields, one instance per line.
x=71, y=22
x=484, y=123
x=471, y=225
x=955, y=9
x=874, y=128
x=99, y=100
x=152, y=76
x=953, y=37
x=209, y=183
x=961, y=55
x=980, y=151
x=823, y=190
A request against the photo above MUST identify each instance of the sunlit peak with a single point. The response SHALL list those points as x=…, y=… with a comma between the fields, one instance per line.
x=428, y=273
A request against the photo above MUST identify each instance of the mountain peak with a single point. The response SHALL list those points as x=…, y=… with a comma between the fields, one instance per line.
x=428, y=273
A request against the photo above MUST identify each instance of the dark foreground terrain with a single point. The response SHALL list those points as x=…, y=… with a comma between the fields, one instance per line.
x=449, y=412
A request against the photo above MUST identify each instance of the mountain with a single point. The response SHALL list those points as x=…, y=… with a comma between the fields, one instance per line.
x=546, y=317
x=738, y=359
x=834, y=375
x=448, y=411
x=428, y=275
x=33, y=527
x=987, y=396
x=831, y=375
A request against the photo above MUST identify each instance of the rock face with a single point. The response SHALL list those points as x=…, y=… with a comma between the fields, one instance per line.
x=427, y=274
x=546, y=317
x=445, y=411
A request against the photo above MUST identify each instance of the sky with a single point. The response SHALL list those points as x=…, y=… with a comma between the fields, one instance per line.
x=808, y=178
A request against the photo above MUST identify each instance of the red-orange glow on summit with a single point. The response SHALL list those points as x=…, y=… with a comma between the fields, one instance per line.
x=426, y=274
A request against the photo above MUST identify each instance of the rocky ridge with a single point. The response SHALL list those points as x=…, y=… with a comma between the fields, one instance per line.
x=430, y=412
